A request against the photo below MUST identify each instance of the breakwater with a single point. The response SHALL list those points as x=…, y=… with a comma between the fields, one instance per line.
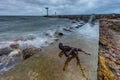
x=86, y=17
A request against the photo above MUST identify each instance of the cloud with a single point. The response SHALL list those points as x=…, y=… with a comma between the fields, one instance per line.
x=37, y=7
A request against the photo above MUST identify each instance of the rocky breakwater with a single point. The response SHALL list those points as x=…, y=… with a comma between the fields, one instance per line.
x=109, y=50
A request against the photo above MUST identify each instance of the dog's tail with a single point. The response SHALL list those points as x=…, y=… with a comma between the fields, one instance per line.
x=83, y=51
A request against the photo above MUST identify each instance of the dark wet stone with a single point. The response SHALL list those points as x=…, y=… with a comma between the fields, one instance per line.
x=28, y=52
x=112, y=65
x=65, y=29
x=14, y=46
x=71, y=27
x=103, y=41
x=117, y=61
x=30, y=37
x=78, y=26
x=59, y=34
x=73, y=21
x=5, y=51
x=19, y=39
x=107, y=55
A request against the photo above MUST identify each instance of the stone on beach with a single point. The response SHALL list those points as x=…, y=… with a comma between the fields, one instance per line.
x=28, y=52
x=66, y=29
x=103, y=41
x=59, y=34
x=16, y=50
x=78, y=26
x=30, y=37
x=5, y=51
x=14, y=46
x=19, y=39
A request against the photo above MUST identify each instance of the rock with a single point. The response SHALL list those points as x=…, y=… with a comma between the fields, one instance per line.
x=49, y=33
x=58, y=34
x=73, y=21
x=103, y=41
x=30, y=37
x=106, y=55
x=71, y=27
x=66, y=29
x=56, y=39
x=14, y=46
x=5, y=51
x=28, y=52
x=19, y=39
x=15, y=52
x=112, y=65
x=78, y=26
x=117, y=61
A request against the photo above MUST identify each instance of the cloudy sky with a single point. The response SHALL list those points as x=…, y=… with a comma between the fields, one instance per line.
x=61, y=7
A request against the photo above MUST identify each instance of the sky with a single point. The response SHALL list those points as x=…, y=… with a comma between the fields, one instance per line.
x=61, y=7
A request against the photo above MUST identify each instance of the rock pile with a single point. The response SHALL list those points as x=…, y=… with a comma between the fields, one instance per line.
x=109, y=50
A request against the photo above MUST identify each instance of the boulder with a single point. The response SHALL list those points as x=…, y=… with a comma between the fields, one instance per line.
x=66, y=29
x=19, y=39
x=103, y=41
x=15, y=52
x=28, y=52
x=30, y=37
x=59, y=34
x=5, y=51
x=73, y=21
x=14, y=46
x=78, y=26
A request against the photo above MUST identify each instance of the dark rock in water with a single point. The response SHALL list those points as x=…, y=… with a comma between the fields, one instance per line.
x=28, y=52
x=30, y=37
x=14, y=46
x=56, y=39
x=65, y=29
x=48, y=34
x=5, y=51
x=73, y=21
x=19, y=39
x=71, y=27
x=59, y=34
x=78, y=26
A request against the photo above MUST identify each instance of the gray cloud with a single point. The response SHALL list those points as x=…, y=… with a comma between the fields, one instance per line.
x=37, y=7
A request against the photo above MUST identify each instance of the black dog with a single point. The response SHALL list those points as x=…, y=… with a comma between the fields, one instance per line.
x=70, y=50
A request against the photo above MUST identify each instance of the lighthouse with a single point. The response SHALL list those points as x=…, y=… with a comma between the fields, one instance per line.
x=46, y=11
